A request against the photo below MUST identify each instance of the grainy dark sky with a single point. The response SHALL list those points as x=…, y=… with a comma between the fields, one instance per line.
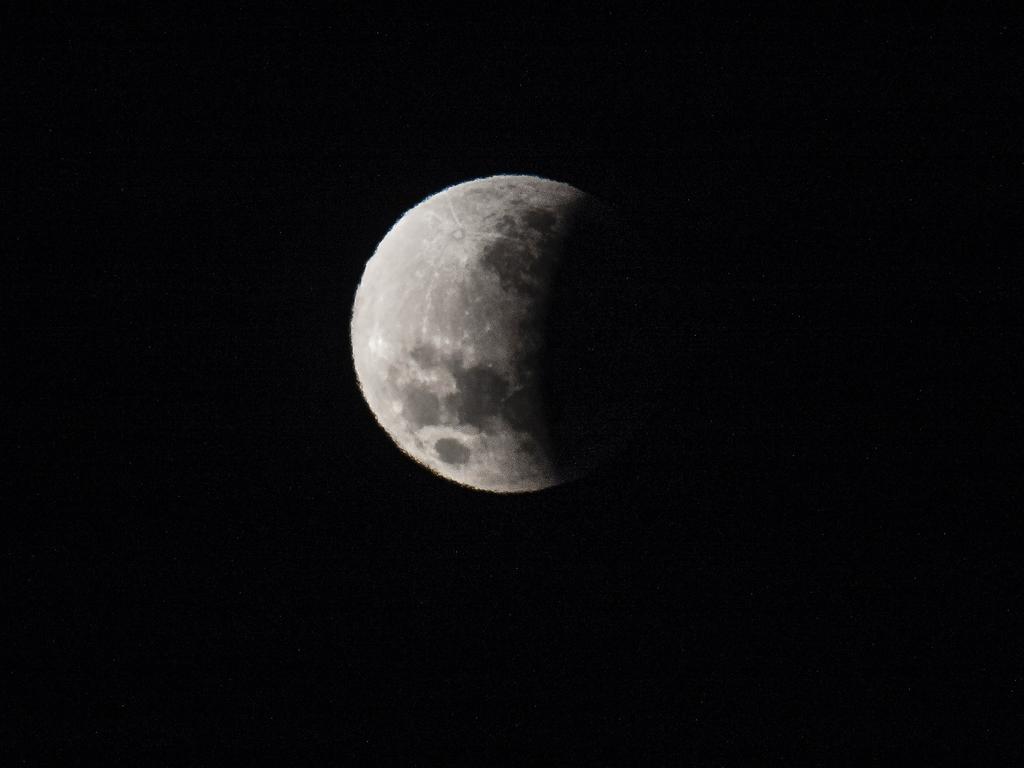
x=220, y=552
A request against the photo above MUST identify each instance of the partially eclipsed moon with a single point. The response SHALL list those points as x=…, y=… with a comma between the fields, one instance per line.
x=450, y=331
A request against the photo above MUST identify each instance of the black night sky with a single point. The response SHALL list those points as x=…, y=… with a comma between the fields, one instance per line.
x=804, y=555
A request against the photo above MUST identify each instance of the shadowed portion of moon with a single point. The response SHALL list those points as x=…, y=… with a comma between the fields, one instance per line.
x=594, y=385
x=490, y=333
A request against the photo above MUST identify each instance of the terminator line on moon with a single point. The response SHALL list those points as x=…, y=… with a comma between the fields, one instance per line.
x=448, y=328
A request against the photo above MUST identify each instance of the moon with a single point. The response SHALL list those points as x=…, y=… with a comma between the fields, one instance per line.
x=459, y=326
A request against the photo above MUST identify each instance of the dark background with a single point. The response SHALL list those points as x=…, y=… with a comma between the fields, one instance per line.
x=808, y=551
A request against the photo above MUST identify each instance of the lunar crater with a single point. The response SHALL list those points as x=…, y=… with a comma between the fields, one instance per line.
x=451, y=451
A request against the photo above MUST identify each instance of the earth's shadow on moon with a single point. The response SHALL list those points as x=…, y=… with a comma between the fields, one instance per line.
x=599, y=385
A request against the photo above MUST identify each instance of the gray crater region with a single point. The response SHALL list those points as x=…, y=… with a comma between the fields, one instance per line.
x=450, y=330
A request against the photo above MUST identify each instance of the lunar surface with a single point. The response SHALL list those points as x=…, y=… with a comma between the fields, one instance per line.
x=451, y=334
